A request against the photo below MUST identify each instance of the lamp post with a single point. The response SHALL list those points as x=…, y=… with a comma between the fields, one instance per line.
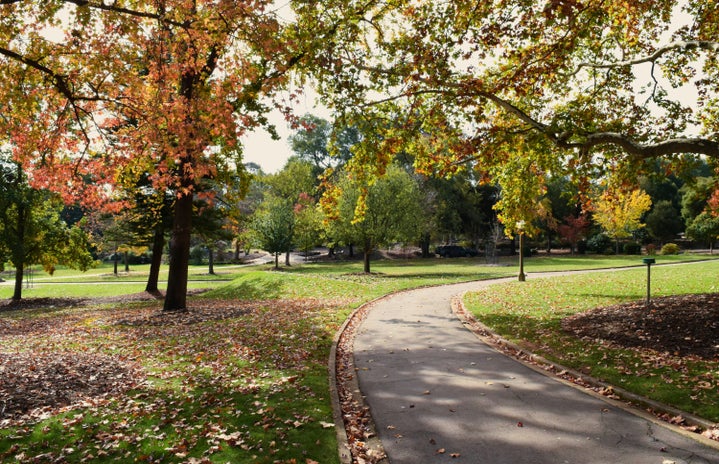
x=520, y=229
x=649, y=262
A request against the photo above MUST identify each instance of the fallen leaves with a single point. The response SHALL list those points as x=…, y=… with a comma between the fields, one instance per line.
x=166, y=386
x=355, y=414
x=30, y=382
x=684, y=325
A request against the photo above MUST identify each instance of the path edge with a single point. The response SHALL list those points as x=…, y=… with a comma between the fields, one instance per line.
x=616, y=396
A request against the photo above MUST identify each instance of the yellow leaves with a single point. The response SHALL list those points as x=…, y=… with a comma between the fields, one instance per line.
x=619, y=212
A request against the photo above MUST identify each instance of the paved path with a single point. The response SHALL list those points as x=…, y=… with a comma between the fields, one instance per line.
x=438, y=394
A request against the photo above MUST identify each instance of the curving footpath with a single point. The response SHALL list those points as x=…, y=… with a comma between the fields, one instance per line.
x=438, y=394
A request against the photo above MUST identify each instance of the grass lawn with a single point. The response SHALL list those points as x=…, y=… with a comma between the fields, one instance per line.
x=530, y=314
x=240, y=378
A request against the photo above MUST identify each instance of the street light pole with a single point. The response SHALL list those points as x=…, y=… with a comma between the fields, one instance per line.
x=520, y=228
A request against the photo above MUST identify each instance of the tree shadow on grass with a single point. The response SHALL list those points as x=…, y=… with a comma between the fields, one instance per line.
x=249, y=288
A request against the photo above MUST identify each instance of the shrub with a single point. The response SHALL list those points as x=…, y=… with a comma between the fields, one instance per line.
x=670, y=249
x=600, y=243
x=651, y=249
x=632, y=248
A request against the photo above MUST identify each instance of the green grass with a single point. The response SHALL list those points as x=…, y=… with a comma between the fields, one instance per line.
x=530, y=314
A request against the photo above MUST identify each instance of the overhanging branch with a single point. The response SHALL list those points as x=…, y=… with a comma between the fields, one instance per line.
x=707, y=45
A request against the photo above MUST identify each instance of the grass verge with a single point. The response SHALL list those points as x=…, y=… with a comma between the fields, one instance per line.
x=530, y=315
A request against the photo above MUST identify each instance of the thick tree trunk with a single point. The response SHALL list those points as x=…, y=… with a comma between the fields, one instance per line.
x=211, y=261
x=176, y=296
x=19, y=272
x=158, y=243
x=277, y=260
x=366, y=261
x=287, y=258
x=126, y=257
x=424, y=245
x=367, y=252
x=18, y=252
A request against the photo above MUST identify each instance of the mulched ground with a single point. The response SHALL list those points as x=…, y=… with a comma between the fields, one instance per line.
x=686, y=325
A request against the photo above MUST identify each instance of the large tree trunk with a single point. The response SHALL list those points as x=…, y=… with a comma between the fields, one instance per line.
x=367, y=252
x=126, y=257
x=158, y=243
x=19, y=272
x=176, y=296
x=424, y=244
x=211, y=261
x=366, y=261
x=287, y=258
x=18, y=252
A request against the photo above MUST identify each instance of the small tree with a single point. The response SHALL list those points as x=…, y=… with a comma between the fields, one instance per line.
x=386, y=211
x=31, y=228
x=704, y=227
x=619, y=213
x=273, y=226
x=573, y=230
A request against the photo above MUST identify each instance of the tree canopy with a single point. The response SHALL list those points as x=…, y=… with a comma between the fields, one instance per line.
x=575, y=87
x=162, y=88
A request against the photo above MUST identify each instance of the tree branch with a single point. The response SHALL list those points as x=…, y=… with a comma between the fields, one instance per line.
x=59, y=81
x=708, y=45
x=695, y=145
x=116, y=9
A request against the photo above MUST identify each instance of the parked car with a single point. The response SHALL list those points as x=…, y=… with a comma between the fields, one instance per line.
x=455, y=251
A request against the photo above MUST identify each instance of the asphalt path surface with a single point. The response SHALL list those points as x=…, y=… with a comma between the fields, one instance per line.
x=438, y=394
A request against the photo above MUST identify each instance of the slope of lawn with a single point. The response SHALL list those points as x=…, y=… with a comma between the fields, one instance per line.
x=241, y=377
x=531, y=313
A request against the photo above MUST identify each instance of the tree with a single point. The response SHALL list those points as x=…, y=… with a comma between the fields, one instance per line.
x=695, y=197
x=273, y=226
x=323, y=145
x=664, y=222
x=192, y=77
x=704, y=227
x=31, y=230
x=308, y=223
x=619, y=213
x=578, y=82
x=574, y=229
x=381, y=213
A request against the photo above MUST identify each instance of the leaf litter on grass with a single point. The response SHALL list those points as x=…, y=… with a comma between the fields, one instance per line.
x=227, y=378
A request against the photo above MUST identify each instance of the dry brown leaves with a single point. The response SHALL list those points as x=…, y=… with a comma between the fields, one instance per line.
x=356, y=416
x=686, y=325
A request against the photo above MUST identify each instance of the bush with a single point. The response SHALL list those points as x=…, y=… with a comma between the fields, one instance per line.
x=651, y=249
x=600, y=243
x=632, y=248
x=670, y=249
x=582, y=247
